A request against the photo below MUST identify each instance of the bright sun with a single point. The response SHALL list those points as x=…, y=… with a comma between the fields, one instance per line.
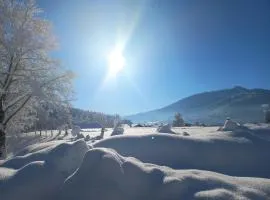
x=116, y=62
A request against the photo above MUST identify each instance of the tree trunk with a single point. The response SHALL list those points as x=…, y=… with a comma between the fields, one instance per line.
x=2, y=132
x=66, y=132
x=102, y=133
x=3, y=153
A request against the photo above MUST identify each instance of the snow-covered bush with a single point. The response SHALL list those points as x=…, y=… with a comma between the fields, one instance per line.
x=87, y=138
x=230, y=125
x=186, y=134
x=75, y=131
x=80, y=136
x=118, y=131
x=166, y=128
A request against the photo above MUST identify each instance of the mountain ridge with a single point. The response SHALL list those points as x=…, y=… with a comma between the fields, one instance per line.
x=212, y=107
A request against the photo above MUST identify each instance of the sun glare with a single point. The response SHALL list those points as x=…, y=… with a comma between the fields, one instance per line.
x=116, y=62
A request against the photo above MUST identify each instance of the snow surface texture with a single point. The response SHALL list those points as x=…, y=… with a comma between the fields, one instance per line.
x=106, y=175
x=39, y=175
x=237, y=153
x=66, y=155
x=75, y=171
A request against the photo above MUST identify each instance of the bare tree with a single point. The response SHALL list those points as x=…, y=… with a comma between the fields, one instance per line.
x=29, y=77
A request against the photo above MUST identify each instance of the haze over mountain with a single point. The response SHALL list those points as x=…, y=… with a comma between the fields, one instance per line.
x=241, y=104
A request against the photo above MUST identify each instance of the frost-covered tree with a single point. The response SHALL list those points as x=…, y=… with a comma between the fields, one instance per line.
x=29, y=77
x=178, y=120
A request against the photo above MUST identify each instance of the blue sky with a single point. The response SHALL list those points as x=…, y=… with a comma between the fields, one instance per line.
x=172, y=48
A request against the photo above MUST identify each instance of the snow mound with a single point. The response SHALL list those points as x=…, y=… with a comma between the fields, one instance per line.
x=75, y=131
x=63, y=155
x=34, y=148
x=235, y=153
x=36, y=180
x=118, y=131
x=106, y=175
x=230, y=125
x=71, y=171
x=39, y=175
x=165, y=129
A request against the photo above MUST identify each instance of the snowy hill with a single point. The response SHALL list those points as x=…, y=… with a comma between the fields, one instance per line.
x=142, y=164
x=241, y=104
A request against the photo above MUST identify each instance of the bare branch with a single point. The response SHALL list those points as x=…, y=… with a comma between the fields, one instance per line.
x=14, y=102
x=16, y=111
x=13, y=74
x=10, y=76
x=54, y=79
x=9, y=70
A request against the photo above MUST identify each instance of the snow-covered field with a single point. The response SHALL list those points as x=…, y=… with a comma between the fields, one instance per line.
x=193, y=163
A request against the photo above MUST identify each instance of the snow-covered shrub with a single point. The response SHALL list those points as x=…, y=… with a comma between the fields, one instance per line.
x=75, y=131
x=230, y=125
x=87, y=138
x=186, y=134
x=166, y=128
x=118, y=131
x=80, y=136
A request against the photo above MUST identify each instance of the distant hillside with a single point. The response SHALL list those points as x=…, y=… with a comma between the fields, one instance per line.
x=241, y=104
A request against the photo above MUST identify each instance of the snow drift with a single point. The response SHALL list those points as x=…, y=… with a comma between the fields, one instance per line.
x=106, y=175
x=71, y=171
x=238, y=153
x=39, y=175
x=63, y=154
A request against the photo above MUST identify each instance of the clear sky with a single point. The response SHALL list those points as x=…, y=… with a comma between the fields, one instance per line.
x=172, y=48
